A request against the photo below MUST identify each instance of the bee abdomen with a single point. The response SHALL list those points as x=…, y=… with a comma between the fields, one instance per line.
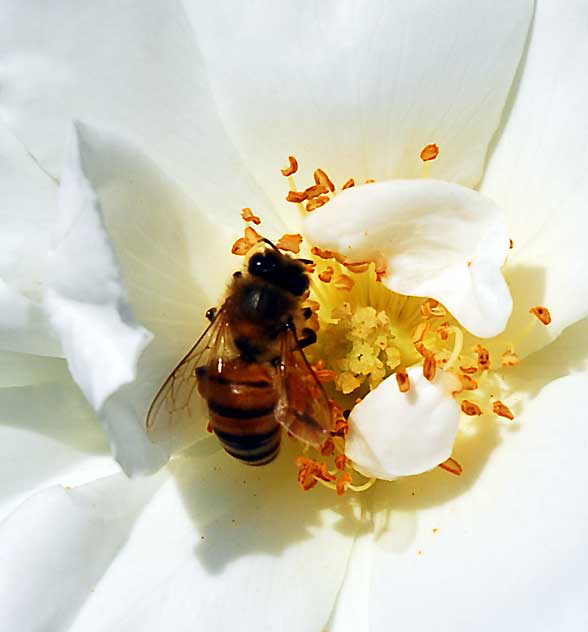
x=241, y=405
x=257, y=448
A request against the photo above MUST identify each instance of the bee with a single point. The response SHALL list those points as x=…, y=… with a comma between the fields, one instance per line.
x=249, y=365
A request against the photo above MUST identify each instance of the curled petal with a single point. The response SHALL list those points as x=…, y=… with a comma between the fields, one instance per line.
x=395, y=434
x=438, y=240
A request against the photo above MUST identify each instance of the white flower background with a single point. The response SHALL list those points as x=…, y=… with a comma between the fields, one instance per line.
x=131, y=135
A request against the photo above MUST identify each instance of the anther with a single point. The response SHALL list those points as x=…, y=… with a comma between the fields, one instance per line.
x=290, y=242
x=296, y=196
x=471, y=409
x=315, y=190
x=248, y=216
x=510, y=358
x=402, y=380
x=316, y=202
x=483, y=358
x=429, y=367
x=542, y=314
x=326, y=275
x=292, y=168
x=350, y=183
x=320, y=177
x=467, y=383
x=503, y=411
x=343, y=282
x=452, y=466
x=429, y=152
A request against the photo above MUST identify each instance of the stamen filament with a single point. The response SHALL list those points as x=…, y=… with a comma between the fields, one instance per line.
x=457, y=345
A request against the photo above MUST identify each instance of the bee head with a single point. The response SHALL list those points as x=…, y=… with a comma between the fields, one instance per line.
x=279, y=270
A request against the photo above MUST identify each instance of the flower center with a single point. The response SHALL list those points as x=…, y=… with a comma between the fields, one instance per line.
x=368, y=333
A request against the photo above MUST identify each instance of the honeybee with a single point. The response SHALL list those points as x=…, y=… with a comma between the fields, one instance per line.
x=249, y=365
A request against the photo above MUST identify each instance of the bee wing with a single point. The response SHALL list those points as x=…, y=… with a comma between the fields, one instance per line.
x=303, y=406
x=179, y=402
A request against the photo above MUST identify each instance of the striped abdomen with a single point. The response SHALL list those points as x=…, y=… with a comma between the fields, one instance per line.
x=241, y=401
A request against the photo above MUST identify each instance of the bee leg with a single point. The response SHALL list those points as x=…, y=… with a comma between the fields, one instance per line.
x=308, y=338
x=237, y=275
x=306, y=262
x=211, y=313
x=306, y=312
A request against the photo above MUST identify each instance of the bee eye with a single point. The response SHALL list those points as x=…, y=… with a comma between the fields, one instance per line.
x=263, y=264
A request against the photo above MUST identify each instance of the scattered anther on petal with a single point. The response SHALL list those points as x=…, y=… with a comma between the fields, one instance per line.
x=341, y=462
x=320, y=177
x=342, y=483
x=309, y=471
x=327, y=254
x=343, y=282
x=483, y=358
x=510, y=244
x=326, y=275
x=467, y=383
x=328, y=447
x=430, y=367
x=292, y=169
x=471, y=409
x=430, y=152
x=542, y=314
x=243, y=245
x=369, y=181
x=503, y=411
x=315, y=190
x=357, y=266
x=248, y=216
x=469, y=370
x=451, y=465
x=403, y=380
x=350, y=183
x=290, y=242
x=510, y=358
x=296, y=196
x=316, y=202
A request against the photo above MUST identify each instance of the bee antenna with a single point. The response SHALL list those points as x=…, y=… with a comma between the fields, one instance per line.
x=269, y=243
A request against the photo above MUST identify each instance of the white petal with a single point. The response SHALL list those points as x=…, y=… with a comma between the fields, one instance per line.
x=86, y=301
x=537, y=173
x=132, y=68
x=478, y=550
x=359, y=89
x=48, y=435
x=398, y=434
x=56, y=546
x=439, y=240
x=28, y=203
x=220, y=528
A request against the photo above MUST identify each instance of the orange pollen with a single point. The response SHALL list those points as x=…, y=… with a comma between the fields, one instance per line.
x=316, y=202
x=343, y=282
x=320, y=177
x=326, y=275
x=471, y=409
x=402, y=380
x=309, y=471
x=430, y=152
x=357, y=266
x=342, y=483
x=483, y=358
x=292, y=169
x=341, y=462
x=328, y=447
x=467, y=383
x=350, y=183
x=290, y=242
x=430, y=367
x=510, y=358
x=452, y=466
x=248, y=216
x=542, y=314
x=315, y=190
x=470, y=370
x=243, y=245
x=296, y=196
x=327, y=254
x=503, y=411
